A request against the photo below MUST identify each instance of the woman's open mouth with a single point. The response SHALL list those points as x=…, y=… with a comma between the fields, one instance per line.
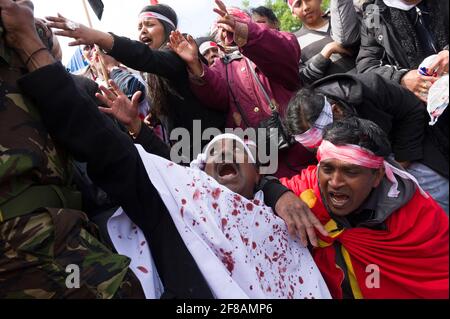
x=146, y=40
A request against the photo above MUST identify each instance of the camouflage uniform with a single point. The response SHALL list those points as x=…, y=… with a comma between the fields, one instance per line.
x=37, y=243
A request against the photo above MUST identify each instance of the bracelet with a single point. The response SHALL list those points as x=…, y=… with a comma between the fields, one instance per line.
x=32, y=54
x=135, y=135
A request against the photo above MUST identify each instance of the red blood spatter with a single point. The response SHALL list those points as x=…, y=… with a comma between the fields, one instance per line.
x=196, y=195
x=143, y=269
x=182, y=211
x=228, y=261
x=251, y=287
x=176, y=189
x=253, y=245
x=261, y=274
x=244, y=240
x=203, y=219
x=224, y=222
x=257, y=202
x=215, y=205
x=257, y=224
x=216, y=193
x=235, y=212
x=271, y=238
x=249, y=206
x=183, y=202
x=237, y=198
x=300, y=279
x=227, y=236
x=269, y=289
x=170, y=165
x=143, y=243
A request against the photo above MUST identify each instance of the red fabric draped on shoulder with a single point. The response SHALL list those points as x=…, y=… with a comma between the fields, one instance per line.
x=412, y=255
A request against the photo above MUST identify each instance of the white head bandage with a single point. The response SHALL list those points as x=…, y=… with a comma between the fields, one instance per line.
x=201, y=159
x=313, y=137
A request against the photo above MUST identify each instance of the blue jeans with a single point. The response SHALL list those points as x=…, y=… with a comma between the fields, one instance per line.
x=431, y=182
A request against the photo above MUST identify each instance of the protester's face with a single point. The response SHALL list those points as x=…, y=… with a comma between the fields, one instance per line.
x=308, y=11
x=264, y=20
x=151, y=32
x=211, y=54
x=228, y=163
x=345, y=186
x=88, y=53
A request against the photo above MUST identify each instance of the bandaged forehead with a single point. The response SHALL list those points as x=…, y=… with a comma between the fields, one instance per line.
x=230, y=148
x=352, y=154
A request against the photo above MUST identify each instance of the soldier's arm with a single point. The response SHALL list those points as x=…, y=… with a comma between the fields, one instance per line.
x=113, y=161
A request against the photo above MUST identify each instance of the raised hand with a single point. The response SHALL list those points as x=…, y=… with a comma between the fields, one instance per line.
x=82, y=34
x=119, y=106
x=185, y=48
x=226, y=20
x=18, y=20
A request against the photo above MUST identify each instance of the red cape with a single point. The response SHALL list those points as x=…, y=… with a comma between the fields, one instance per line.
x=411, y=255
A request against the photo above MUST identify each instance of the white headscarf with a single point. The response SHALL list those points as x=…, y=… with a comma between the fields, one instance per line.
x=399, y=4
x=200, y=161
x=241, y=247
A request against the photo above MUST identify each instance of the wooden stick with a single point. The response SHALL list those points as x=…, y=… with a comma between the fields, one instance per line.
x=100, y=57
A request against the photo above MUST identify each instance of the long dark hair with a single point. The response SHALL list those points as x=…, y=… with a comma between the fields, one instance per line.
x=159, y=87
x=169, y=13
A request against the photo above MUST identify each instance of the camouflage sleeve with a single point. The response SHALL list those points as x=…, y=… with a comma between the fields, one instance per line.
x=114, y=165
x=113, y=161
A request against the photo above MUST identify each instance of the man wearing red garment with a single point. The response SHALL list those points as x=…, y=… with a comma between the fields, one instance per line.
x=388, y=238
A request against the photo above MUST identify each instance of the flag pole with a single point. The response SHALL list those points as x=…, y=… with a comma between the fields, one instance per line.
x=99, y=51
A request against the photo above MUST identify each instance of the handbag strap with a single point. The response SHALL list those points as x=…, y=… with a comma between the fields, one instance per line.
x=272, y=106
x=244, y=118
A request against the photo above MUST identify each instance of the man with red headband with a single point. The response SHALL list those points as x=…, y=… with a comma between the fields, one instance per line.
x=388, y=238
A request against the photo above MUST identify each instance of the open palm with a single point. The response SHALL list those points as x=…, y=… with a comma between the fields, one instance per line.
x=119, y=106
x=185, y=48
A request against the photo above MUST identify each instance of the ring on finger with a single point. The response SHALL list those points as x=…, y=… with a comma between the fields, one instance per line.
x=72, y=25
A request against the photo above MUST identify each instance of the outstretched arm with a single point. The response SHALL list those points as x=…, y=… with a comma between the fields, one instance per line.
x=133, y=54
x=207, y=83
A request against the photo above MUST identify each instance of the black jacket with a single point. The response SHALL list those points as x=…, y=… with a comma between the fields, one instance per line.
x=396, y=110
x=388, y=48
x=115, y=166
x=183, y=106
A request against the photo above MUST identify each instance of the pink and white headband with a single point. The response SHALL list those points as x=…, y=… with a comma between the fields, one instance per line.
x=360, y=156
x=158, y=16
x=313, y=137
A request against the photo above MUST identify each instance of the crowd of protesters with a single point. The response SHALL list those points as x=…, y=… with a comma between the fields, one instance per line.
x=352, y=107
